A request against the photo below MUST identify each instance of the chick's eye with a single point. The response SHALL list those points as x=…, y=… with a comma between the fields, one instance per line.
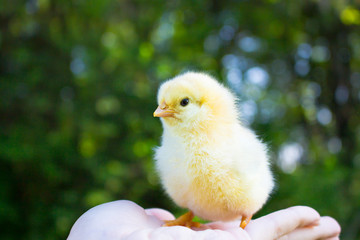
x=184, y=102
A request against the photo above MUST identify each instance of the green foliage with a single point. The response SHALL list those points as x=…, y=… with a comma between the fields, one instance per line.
x=78, y=82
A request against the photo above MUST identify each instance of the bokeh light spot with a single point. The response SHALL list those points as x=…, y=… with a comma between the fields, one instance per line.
x=289, y=156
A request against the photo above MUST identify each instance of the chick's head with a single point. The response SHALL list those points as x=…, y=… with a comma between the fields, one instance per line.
x=194, y=99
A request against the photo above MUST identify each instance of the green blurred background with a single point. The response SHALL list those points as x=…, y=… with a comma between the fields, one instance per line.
x=78, y=82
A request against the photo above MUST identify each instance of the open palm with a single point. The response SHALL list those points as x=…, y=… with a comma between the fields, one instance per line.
x=126, y=220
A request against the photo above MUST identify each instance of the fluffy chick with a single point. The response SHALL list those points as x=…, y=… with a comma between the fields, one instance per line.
x=208, y=161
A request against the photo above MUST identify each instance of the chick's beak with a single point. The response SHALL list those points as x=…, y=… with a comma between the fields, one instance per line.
x=163, y=110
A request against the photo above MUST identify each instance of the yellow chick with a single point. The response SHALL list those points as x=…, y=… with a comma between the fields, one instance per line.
x=208, y=161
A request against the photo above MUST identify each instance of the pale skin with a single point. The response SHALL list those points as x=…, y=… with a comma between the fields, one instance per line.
x=126, y=220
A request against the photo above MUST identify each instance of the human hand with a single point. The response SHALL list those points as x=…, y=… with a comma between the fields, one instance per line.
x=126, y=220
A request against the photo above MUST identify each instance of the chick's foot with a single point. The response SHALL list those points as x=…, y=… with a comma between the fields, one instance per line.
x=184, y=220
x=244, y=221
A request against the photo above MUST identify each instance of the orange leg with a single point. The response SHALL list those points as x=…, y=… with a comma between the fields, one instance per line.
x=244, y=221
x=184, y=220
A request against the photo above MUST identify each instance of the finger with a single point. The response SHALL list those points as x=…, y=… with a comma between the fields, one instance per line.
x=282, y=222
x=160, y=214
x=328, y=228
x=117, y=218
